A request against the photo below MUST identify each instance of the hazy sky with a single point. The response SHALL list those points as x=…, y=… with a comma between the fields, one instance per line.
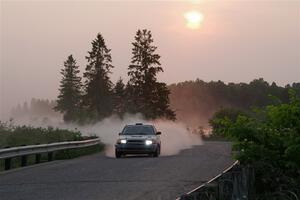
x=237, y=41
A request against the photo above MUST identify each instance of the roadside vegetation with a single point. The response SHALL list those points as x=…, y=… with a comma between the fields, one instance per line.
x=268, y=139
x=12, y=135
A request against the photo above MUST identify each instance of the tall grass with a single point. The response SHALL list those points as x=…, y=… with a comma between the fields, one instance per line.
x=12, y=136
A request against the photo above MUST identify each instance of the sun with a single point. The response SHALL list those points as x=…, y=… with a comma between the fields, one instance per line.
x=193, y=19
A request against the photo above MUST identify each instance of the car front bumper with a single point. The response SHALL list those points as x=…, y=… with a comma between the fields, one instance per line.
x=136, y=148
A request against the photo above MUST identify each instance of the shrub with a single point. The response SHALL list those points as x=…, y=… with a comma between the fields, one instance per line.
x=269, y=140
x=11, y=136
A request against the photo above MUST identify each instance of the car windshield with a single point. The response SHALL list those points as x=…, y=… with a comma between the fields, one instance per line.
x=138, y=130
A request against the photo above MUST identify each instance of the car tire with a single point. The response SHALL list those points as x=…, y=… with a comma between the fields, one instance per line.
x=157, y=152
x=118, y=154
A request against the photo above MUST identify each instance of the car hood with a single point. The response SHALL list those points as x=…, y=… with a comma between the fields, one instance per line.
x=137, y=137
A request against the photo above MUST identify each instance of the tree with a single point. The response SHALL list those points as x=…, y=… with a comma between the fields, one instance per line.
x=217, y=120
x=69, y=97
x=119, y=98
x=98, y=87
x=149, y=96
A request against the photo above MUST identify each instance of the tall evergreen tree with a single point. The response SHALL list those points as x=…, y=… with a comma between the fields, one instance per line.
x=69, y=96
x=98, y=87
x=150, y=97
x=119, y=98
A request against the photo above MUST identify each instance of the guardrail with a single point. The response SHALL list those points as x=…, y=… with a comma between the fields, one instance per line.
x=23, y=151
x=235, y=182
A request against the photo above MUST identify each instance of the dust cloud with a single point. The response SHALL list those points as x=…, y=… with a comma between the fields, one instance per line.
x=175, y=135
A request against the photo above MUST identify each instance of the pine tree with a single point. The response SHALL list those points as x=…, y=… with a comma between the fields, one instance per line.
x=98, y=87
x=119, y=98
x=69, y=97
x=150, y=97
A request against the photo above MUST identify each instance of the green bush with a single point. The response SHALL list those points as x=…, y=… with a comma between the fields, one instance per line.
x=12, y=136
x=219, y=120
x=269, y=140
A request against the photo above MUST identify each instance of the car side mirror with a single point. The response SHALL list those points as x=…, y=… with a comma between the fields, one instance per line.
x=158, y=133
x=119, y=133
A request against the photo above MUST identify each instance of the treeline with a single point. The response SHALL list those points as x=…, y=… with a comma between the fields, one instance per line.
x=196, y=101
x=193, y=101
x=35, y=108
x=94, y=96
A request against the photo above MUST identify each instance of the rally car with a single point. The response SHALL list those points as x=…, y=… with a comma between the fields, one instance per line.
x=138, y=139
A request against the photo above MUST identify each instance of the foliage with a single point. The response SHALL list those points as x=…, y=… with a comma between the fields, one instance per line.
x=148, y=96
x=269, y=140
x=98, y=87
x=219, y=119
x=119, y=98
x=11, y=135
x=69, y=98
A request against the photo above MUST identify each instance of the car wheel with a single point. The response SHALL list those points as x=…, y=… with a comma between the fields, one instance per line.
x=118, y=154
x=157, y=152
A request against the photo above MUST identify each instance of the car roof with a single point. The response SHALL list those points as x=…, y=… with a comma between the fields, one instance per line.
x=140, y=125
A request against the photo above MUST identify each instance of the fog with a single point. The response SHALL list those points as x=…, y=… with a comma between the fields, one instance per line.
x=175, y=135
x=237, y=41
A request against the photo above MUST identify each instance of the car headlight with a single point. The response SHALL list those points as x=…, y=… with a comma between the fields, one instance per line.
x=123, y=141
x=148, y=142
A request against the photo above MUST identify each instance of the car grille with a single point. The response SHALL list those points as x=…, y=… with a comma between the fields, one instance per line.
x=138, y=142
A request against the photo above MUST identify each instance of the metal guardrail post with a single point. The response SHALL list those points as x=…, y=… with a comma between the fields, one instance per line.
x=23, y=161
x=37, y=158
x=7, y=163
x=50, y=156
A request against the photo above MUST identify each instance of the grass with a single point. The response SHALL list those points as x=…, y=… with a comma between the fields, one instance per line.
x=13, y=136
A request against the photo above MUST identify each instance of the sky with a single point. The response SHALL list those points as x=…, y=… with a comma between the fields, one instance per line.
x=232, y=41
